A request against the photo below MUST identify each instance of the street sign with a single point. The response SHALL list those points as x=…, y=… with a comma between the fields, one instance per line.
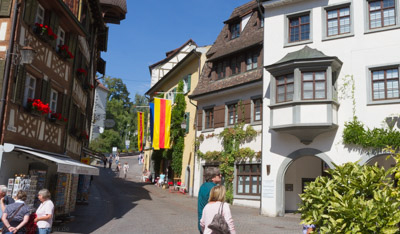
x=109, y=123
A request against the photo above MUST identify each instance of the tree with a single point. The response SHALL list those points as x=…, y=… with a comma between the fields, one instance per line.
x=117, y=90
x=108, y=139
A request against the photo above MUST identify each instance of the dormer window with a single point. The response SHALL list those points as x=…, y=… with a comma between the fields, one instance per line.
x=235, y=30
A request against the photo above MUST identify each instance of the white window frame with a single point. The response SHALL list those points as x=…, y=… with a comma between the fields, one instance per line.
x=53, y=100
x=60, y=37
x=40, y=14
x=29, y=87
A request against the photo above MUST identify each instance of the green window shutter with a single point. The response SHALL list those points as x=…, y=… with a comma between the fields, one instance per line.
x=45, y=88
x=20, y=85
x=189, y=82
x=30, y=11
x=72, y=41
x=5, y=7
x=187, y=115
x=2, y=63
x=54, y=22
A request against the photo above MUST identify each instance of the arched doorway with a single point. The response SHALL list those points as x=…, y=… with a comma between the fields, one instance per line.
x=300, y=172
x=295, y=167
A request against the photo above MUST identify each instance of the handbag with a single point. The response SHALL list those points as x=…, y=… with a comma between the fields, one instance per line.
x=219, y=224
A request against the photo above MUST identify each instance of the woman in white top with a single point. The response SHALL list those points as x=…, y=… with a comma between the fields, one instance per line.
x=45, y=212
x=126, y=169
x=217, y=196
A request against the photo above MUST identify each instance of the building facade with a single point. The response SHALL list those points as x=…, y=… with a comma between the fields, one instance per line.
x=230, y=92
x=326, y=62
x=99, y=110
x=48, y=109
x=182, y=64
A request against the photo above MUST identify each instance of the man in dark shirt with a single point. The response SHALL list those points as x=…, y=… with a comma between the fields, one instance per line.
x=4, y=201
x=212, y=177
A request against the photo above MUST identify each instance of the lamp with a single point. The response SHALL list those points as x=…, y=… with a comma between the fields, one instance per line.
x=183, y=125
x=27, y=54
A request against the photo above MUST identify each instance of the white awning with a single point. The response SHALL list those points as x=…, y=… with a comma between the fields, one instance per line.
x=64, y=164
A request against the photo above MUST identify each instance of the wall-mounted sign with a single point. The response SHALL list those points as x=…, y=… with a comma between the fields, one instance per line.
x=391, y=122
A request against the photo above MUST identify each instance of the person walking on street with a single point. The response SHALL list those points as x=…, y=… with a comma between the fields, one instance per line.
x=213, y=177
x=118, y=169
x=110, y=161
x=44, y=214
x=216, y=204
x=4, y=201
x=105, y=161
x=16, y=215
x=126, y=169
x=117, y=159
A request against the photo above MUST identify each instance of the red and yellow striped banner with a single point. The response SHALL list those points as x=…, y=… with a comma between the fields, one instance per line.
x=162, y=123
x=140, y=126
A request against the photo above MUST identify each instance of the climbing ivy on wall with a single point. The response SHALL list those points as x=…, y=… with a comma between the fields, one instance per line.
x=232, y=139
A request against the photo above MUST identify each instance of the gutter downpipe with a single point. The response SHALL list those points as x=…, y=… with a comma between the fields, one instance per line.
x=7, y=73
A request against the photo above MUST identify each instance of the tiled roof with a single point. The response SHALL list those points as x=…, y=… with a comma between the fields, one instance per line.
x=100, y=85
x=119, y=3
x=250, y=37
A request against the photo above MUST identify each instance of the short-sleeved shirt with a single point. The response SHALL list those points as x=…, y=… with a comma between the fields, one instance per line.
x=204, y=194
x=18, y=217
x=44, y=209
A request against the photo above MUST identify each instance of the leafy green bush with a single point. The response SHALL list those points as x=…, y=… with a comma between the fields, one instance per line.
x=353, y=199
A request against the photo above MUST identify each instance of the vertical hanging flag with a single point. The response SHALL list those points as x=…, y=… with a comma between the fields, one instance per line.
x=140, y=126
x=151, y=122
x=162, y=123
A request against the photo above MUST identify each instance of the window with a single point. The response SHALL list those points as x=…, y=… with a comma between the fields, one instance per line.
x=209, y=118
x=299, y=28
x=248, y=179
x=60, y=37
x=381, y=13
x=385, y=84
x=313, y=85
x=40, y=15
x=235, y=30
x=232, y=114
x=235, y=66
x=257, y=109
x=285, y=88
x=251, y=61
x=186, y=83
x=338, y=21
x=30, y=86
x=53, y=100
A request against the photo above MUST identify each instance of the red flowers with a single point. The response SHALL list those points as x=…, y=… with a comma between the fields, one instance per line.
x=58, y=116
x=37, y=104
x=85, y=135
x=65, y=49
x=170, y=183
x=81, y=71
x=178, y=183
x=46, y=29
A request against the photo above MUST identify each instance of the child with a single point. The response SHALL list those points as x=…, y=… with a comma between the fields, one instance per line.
x=126, y=169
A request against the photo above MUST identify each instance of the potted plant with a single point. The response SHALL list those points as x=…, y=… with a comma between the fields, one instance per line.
x=63, y=51
x=45, y=32
x=37, y=107
x=81, y=73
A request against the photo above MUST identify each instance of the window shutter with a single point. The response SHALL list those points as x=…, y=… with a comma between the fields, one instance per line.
x=65, y=106
x=30, y=11
x=189, y=83
x=5, y=8
x=45, y=88
x=187, y=114
x=20, y=85
x=54, y=22
x=72, y=43
x=60, y=98
x=199, y=120
x=2, y=63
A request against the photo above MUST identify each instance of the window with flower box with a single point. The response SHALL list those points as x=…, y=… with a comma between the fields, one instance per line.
x=60, y=38
x=248, y=179
x=40, y=14
x=30, y=87
x=53, y=100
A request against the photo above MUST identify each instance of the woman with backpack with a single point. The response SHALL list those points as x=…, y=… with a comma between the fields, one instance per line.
x=217, y=216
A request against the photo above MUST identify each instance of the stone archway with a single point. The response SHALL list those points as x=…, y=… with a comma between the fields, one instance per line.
x=289, y=160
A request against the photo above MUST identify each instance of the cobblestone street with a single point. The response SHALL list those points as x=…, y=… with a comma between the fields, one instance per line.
x=128, y=206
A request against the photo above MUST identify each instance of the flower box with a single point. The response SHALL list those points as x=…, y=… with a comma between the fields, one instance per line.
x=63, y=51
x=37, y=107
x=44, y=32
x=57, y=118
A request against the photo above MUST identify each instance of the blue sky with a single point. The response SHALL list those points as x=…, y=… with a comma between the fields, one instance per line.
x=153, y=27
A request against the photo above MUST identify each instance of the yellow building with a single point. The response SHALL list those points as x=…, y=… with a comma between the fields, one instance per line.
x=184, y=63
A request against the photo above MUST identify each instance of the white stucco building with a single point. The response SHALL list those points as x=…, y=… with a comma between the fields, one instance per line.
x=311, y=50
x=99, y=110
